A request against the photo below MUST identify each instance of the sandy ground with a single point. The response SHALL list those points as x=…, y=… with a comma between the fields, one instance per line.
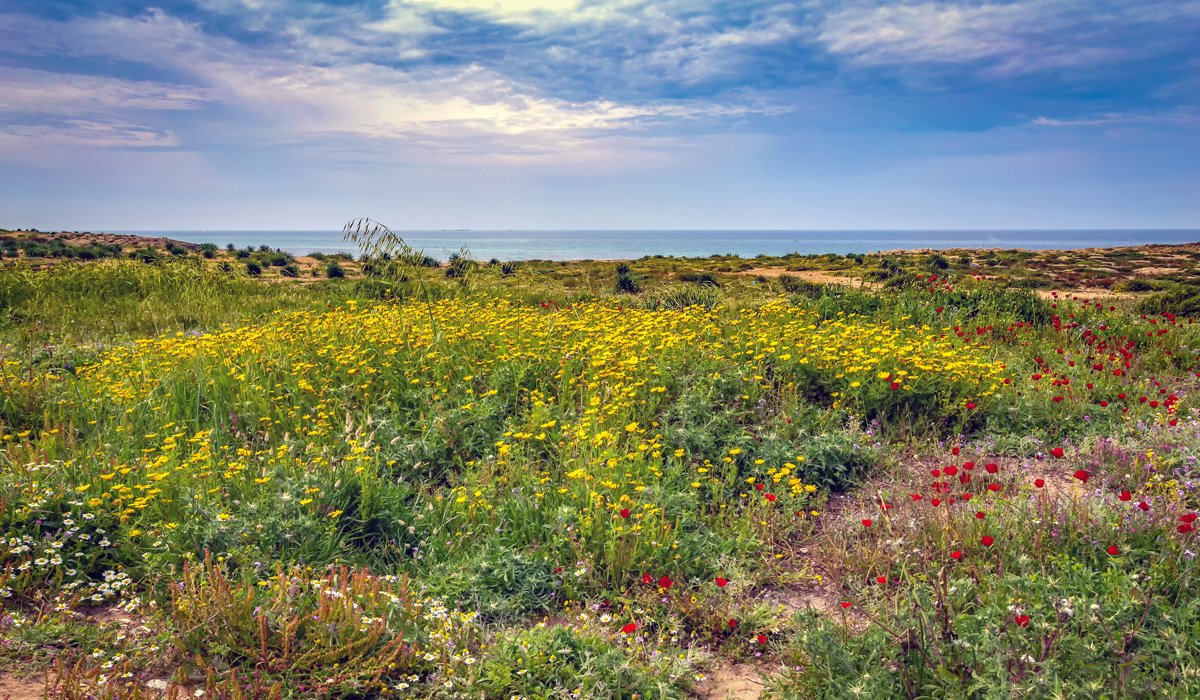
x=23, y=688
x=823, y=277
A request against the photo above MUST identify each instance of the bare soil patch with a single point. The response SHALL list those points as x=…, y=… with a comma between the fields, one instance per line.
x=731, y=682
x=28, y=687
x=816, y=276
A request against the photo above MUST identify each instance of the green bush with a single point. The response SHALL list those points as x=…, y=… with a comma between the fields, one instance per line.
x=334, y=271
x=1181, y=302
x=253, y=269
x=1136, y=285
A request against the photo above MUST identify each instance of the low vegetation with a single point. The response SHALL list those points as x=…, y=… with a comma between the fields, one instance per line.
x=593, y=480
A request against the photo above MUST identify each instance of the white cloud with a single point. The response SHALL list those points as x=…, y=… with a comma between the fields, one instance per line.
x=27, y=90
x=312, y=94
x=85, y=133
x=1018, y=37
x=925, y=32
x=1180, y=116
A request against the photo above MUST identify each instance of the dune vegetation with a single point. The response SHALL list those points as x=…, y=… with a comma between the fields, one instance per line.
x=594, y=480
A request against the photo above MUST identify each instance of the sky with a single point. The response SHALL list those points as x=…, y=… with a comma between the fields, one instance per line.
x=599, y=114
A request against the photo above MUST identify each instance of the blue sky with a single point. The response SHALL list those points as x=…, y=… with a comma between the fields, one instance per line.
x=582, y=114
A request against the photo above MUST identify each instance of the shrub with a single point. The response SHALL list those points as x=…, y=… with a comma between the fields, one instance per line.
x=795, y=285
x=704, y=279
x=290, y=271
x=334, y=271
x=208, y=250
x=625, y=280
x=1136, y=285
x=253, y=269
x=242, y=254
x=146, y=255
x=508, y=269
x=33, y=249
x=1183, y=302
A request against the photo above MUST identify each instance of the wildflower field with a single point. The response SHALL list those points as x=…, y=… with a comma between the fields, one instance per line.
x=497, y=486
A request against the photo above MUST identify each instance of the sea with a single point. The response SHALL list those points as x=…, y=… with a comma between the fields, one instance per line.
x=632, y=244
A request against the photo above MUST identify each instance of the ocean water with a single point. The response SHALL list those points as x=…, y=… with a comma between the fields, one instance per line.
x=628, y=244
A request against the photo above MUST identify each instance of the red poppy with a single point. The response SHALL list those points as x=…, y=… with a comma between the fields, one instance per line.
x=733, y=622
x=1125, y=496
x=969, y=466
x=1083, y=475
x=895, y=386
x=771, y=497
x=951, y=470
x=965, y=497
x=558, y=570
x=956, y=554
x=1039, y=483
x=1021, y=620
x=881, y=579
x=970, y=405
x=646, y=579
x=624, y=512
x=991, y=468
x=665, y=582
x=1057, y=452
x=845, y=604
x=1144, y=506
x=980, y=514
x=1185, y=528
x=993, y=487
x=936, y=502
x=954, y=451
x=866, y=522
x=1189, y=518
x=761, y=639
x=1112, y=549
x=759, y=487
x=628, y=629
x=987, y=541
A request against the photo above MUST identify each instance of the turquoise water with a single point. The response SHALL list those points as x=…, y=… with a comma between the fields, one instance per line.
x=618, y=245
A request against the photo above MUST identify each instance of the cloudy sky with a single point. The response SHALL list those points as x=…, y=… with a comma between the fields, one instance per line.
x=301, y=114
